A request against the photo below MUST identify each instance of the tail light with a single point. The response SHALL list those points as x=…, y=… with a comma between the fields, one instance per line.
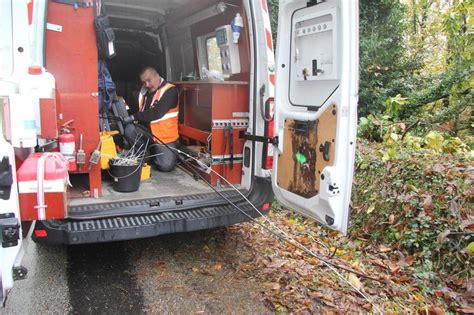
x=41, y=233
x=266, y=206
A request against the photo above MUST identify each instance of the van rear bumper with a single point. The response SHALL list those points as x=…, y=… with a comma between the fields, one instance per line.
x=119, y=228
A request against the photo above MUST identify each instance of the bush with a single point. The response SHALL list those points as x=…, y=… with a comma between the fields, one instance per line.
x=418, y=202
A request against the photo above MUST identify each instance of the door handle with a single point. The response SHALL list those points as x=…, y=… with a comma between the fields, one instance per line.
x=324, y=148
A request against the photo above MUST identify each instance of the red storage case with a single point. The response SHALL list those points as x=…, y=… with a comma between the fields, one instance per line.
x=43, y=197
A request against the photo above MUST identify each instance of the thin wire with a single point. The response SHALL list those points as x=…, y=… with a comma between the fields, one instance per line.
x=287, y=238
x=282, y=237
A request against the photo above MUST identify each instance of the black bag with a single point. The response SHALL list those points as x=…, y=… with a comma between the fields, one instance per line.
x=106, y=87
x=105, y=37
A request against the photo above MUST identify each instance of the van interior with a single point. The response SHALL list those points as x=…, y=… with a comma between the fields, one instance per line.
x=190, y=43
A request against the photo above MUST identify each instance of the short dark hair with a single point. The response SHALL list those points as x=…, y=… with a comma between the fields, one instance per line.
x=145, y=68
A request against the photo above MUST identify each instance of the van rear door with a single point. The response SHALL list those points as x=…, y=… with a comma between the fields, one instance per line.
x=316, y=108
x=14, y=59
x=10, y=231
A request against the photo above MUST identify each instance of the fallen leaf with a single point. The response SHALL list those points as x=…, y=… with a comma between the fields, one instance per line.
x=304, y=240
x=402, y=126
x=410, y=260
x=457, y=281
x=314, y=261
x=337, y=251
x=304, y=272
x=435, y=310
x=354, y=280
x=470, y=248
x=403, y=279
x=470, y=288
x=442, y=236
x=454, y=208
x=411, y=187
x=379, y=263
x=194, y=269
x=469, y=193
x=206, y=249
x=371, y=208
x=367, y=306
x=428, y=204
x=217, y=267
x=275, y=263
x=246, y=267
x=315, y=294
x=393, y=267
x=384, y=249
x=391, y=219
x=439, y=168
x=271, y=285
x=418, y=296
x=466, y=310
x=406, y=261
x=467, y=225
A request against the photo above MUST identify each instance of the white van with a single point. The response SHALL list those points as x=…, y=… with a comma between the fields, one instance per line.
x=248, y=125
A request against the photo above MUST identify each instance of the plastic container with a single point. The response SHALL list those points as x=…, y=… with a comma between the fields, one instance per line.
x=107, y=148
x=20, y=123
x=39, y=84
x=126, y=178
x=146, y=172
x=54, y=182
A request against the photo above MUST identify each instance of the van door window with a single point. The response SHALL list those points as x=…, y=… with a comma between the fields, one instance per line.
x=213, y=55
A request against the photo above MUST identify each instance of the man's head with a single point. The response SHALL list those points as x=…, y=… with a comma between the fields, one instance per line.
x=150, y=79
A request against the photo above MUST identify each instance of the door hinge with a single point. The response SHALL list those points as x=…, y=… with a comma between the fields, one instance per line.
x=248, y=136
x=9, y=230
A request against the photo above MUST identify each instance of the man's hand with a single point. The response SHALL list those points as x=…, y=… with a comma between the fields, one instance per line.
x=128, y=120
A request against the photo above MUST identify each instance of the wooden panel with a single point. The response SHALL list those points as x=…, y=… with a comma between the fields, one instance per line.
x=301, y=162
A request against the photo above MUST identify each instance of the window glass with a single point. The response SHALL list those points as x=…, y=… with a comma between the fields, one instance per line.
x=213, y=55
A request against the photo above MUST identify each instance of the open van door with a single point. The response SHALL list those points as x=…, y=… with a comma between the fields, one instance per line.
x=10, y=230
x=316, y=108
x=14, y=56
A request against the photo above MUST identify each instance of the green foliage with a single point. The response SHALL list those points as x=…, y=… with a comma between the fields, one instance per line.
x=417, y=202
x=370, y=128
x=397, y=139
x=273, y=11
x=394, y=105
x=382, y=59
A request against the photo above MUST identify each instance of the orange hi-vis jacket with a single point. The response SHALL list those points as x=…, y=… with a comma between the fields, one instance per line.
x=166, y=127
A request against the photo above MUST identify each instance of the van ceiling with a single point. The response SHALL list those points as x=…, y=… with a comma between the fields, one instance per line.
x=145, y=15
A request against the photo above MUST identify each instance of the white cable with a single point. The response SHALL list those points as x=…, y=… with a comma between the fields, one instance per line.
x=298, y=244
x=301, y=246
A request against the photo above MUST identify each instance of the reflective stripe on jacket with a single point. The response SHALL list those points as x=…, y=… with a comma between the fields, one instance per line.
x=166, y=127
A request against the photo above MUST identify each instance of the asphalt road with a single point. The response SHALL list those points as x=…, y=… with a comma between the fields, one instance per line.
x=182, y=273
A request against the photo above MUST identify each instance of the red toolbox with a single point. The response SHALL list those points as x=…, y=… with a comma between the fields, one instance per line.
x=42, y=186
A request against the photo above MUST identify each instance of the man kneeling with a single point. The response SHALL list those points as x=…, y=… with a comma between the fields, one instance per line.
x=158, y=113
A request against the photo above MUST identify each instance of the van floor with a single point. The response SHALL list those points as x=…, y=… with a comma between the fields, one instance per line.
x=170, y=184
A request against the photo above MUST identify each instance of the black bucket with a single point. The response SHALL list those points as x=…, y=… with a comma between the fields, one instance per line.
x=126, y=178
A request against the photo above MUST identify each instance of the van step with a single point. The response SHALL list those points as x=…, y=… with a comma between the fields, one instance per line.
x=141, y=226
x=149, y=205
